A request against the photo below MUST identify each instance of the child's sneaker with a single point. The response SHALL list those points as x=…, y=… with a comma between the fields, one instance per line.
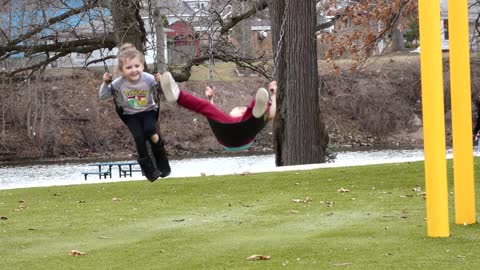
x=261, y=101
x=169, y=87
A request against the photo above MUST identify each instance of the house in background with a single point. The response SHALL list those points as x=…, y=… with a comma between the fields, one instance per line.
x=473, y=14
x=187, y=34
x=183, y=42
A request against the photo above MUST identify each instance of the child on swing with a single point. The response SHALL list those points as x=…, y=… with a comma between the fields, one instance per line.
x=133, y=92
x=236, y=130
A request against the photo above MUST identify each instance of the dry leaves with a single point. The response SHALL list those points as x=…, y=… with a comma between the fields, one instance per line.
x=257, y=257
x=20, y=208
x=307, y=199
x=342, y=264
x=75, y=252
x=343, y=190
x=114, y=199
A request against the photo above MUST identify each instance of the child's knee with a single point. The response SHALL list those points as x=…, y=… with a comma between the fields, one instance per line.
x=154, y=138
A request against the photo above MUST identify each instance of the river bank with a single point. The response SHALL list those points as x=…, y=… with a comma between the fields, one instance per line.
x=69, y=173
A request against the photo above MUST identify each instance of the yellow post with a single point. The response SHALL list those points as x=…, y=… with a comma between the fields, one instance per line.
x=433, y=118
x=461, y=112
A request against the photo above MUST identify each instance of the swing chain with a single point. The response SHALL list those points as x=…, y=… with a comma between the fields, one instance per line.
x=211, y=62
x=152, y=35
x=92, y=25
x=103, y=60
x=279, y=44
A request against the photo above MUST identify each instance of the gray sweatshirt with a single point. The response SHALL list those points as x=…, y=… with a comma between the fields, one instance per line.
x=133, y=97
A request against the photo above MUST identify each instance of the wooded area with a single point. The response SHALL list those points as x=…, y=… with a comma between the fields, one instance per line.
x=36, y=36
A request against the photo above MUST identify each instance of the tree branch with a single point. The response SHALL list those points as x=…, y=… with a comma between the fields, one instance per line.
x=260, y=5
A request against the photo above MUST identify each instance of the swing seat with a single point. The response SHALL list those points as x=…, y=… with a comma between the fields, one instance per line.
x=237, y=134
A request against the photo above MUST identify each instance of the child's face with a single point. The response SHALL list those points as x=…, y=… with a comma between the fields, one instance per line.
x=132, y=69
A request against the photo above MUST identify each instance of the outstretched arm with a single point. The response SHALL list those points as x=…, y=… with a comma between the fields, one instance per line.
x=106, y=89
x=272, y=88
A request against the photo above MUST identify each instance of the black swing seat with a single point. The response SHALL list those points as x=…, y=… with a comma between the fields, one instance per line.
x=236, y=134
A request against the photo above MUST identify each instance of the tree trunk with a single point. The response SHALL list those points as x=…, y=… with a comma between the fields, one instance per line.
x=3, y=99
x=160, y=38
x=29, y=105
x=397, y=39
x=127, y=23
x=276, y=9
x=242, y=31
x=304, y=129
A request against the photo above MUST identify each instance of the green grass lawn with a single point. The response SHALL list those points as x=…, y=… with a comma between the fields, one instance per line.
x=216, y=222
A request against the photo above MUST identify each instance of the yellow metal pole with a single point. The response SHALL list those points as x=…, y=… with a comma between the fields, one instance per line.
x=433, y=118
x=461, y=112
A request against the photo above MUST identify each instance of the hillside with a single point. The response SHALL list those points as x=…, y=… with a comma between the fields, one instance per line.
x=62, y=118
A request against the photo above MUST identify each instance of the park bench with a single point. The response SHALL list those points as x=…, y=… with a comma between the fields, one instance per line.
x=127, y=168
x=124, y=169
x=100, y=173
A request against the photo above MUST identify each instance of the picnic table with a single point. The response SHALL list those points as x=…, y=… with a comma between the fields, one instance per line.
x=125, y=168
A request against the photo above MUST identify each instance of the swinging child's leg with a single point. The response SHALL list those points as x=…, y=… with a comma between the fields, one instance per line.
x=136, y=127
x=158, y=148
x=191, y=102
x=258, y=106
x=261, y=103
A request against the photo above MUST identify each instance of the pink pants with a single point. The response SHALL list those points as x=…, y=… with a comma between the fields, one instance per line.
x=243, y=138
x=207, y=109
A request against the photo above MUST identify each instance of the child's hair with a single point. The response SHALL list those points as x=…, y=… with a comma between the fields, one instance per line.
x=128, y=51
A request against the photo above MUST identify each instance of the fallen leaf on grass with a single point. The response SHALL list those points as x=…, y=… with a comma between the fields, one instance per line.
x=178, y=220
x=20, y=208
x=293, y=211
x=417, y=189
x=114, y=199
x=307, y=199
x=342, y=264
x=343, y=190
x=75, y=252
x=256, y=257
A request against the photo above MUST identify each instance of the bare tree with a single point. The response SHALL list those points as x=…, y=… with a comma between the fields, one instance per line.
x=62, y=29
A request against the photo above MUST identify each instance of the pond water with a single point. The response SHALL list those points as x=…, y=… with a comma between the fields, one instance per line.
x=21, y=176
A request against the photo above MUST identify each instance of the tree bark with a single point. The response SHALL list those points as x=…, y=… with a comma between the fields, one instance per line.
x=242, y=31
x=127, y=23
x=304, y=129
x=276, y=13
x=161, y=61
x=397, y=38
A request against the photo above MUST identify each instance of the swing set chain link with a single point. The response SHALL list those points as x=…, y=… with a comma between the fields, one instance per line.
x=279, y=44
x=211, y=58
x=92, y=25
x=152, y=36
x=104, y=62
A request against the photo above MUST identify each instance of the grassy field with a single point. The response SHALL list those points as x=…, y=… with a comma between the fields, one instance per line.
x=302, y=219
